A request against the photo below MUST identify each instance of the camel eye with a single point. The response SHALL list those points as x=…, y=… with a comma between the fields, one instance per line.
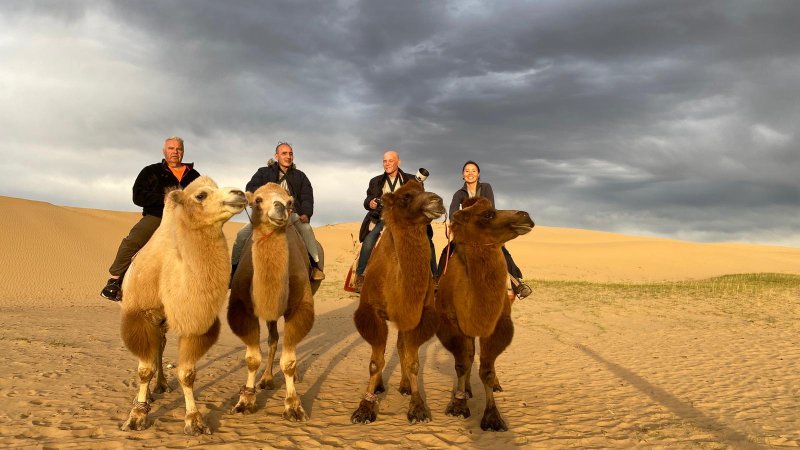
x=201, y=196
x=258, y=200
x=488, y=215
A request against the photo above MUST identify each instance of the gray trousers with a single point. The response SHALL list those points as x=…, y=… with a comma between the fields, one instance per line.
x=138, y=236
x=306, y=232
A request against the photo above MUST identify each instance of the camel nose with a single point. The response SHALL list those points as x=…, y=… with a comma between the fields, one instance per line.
x=279, y=208
x=237, y=192
x=525, y=216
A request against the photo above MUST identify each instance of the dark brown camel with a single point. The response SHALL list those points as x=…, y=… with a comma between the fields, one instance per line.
x=272, y=281
x=472, y=301
x=398, y=287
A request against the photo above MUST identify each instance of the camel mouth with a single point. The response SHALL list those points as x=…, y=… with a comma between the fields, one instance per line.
x=434, y=209
x=238, y=203
x=522, y=229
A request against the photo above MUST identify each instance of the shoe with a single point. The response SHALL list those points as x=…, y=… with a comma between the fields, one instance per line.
x=113, y=290
x=317, y=275
x=359, y=283
x=523, y=290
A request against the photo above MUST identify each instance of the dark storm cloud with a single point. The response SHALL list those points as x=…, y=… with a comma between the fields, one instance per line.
x=673, y=118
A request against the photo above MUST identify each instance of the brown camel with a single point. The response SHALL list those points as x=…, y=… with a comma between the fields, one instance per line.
x=472, y=300
x=398, y=287
x=272, y=280
x=179, y=281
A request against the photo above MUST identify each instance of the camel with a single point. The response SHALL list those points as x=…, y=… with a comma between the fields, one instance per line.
x=398, y=286
x=472, y=301
x=272, y=280
x=179, y=281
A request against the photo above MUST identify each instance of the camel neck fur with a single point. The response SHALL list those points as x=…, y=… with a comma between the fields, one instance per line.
x=485, y=268
x=270, y=287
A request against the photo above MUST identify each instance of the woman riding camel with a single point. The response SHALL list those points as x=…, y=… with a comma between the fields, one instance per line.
x=473, y=187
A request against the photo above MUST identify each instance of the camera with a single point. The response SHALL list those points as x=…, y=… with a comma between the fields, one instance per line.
x=422, y=175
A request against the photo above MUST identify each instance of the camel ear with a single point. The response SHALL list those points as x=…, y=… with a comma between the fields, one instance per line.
x=460, y=216
x=175, y=196
x=388, y=198
x=250, y=197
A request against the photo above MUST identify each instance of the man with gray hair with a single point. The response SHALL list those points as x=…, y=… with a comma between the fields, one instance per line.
x=149, y=190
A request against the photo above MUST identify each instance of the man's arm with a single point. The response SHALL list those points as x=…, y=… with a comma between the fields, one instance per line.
x=146, y=191
x=371, y=192
x=305, y=200
x=259, y=179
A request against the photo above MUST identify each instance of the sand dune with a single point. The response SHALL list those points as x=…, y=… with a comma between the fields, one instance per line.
x=667, y=372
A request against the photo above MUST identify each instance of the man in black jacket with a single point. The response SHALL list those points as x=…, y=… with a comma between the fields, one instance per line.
x=281, y=170
x=149, y=190
x=390, y=180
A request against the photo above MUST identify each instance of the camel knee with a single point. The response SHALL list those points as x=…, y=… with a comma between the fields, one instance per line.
x=186, y=376
x=487, y=375
x=253, y=362
x=289, y=366
x=146, y=373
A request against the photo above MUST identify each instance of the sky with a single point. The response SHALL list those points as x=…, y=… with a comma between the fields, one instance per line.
x=675, y=118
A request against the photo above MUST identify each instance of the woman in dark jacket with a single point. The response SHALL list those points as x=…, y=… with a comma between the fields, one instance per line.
x=474, y=188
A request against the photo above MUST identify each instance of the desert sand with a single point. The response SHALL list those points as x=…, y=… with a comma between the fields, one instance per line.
x=590, y=366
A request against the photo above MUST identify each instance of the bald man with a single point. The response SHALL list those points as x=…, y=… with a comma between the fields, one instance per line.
x=390, y=180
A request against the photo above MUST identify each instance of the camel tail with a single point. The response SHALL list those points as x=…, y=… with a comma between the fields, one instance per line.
x=140, y=335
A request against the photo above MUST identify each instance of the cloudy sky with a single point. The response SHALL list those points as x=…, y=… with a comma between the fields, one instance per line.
x=664, y=118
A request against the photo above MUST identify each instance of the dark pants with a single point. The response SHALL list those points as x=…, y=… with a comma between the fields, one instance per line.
x=367, y=246
x=510, y=264
x=138, y=236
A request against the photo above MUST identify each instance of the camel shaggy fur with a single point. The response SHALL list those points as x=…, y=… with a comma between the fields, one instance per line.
x=179, y=281
x=272, y=281
x=398, y=287
x=472, y=300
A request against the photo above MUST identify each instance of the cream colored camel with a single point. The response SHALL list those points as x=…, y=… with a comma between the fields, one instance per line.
x=398, y=287
x=472, y=300
x=178, y=281
x=272, y=281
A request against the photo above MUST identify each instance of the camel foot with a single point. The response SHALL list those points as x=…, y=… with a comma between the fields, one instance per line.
x=468, y=391
x=492, y=421
x=497, y=388
x=266, y=384
x=137, y=420
x=295, y=413
x=246, y=404
x=380, y=388
x=367, y=412
x=161, y=387
x=194, y=425
x=417, y=410
x=458, y=408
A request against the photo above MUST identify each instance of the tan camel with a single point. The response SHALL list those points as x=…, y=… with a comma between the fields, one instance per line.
x=472, y=300
x=272, y=280
x=179, y=281
x=398, y=287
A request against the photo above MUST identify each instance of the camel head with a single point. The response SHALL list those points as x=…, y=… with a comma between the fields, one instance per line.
x=203, y=203
x=478, y=222
x=271, y=206
x=411, y=204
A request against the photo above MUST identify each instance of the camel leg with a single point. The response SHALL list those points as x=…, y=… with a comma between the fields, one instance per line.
x=374, y=330
x=244, y=324
x=405, y=382
x=143, y=338
x=296, y=326
x=161, y=380
x=463, y=350
x=266, y=381
x=491, y=347
x=409, y=360
x=190, y=349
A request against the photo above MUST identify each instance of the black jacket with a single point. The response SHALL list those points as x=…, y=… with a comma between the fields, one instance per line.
x=483, y=190
x=299, y=186
x=152, y=184
x=375, y=190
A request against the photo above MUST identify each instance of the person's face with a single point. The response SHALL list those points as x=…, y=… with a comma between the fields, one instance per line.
x=173, y=152
x=471, y=173
x=391, y=161
x=285, y=156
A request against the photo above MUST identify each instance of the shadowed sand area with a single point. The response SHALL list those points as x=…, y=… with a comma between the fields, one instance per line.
x=626, y=341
